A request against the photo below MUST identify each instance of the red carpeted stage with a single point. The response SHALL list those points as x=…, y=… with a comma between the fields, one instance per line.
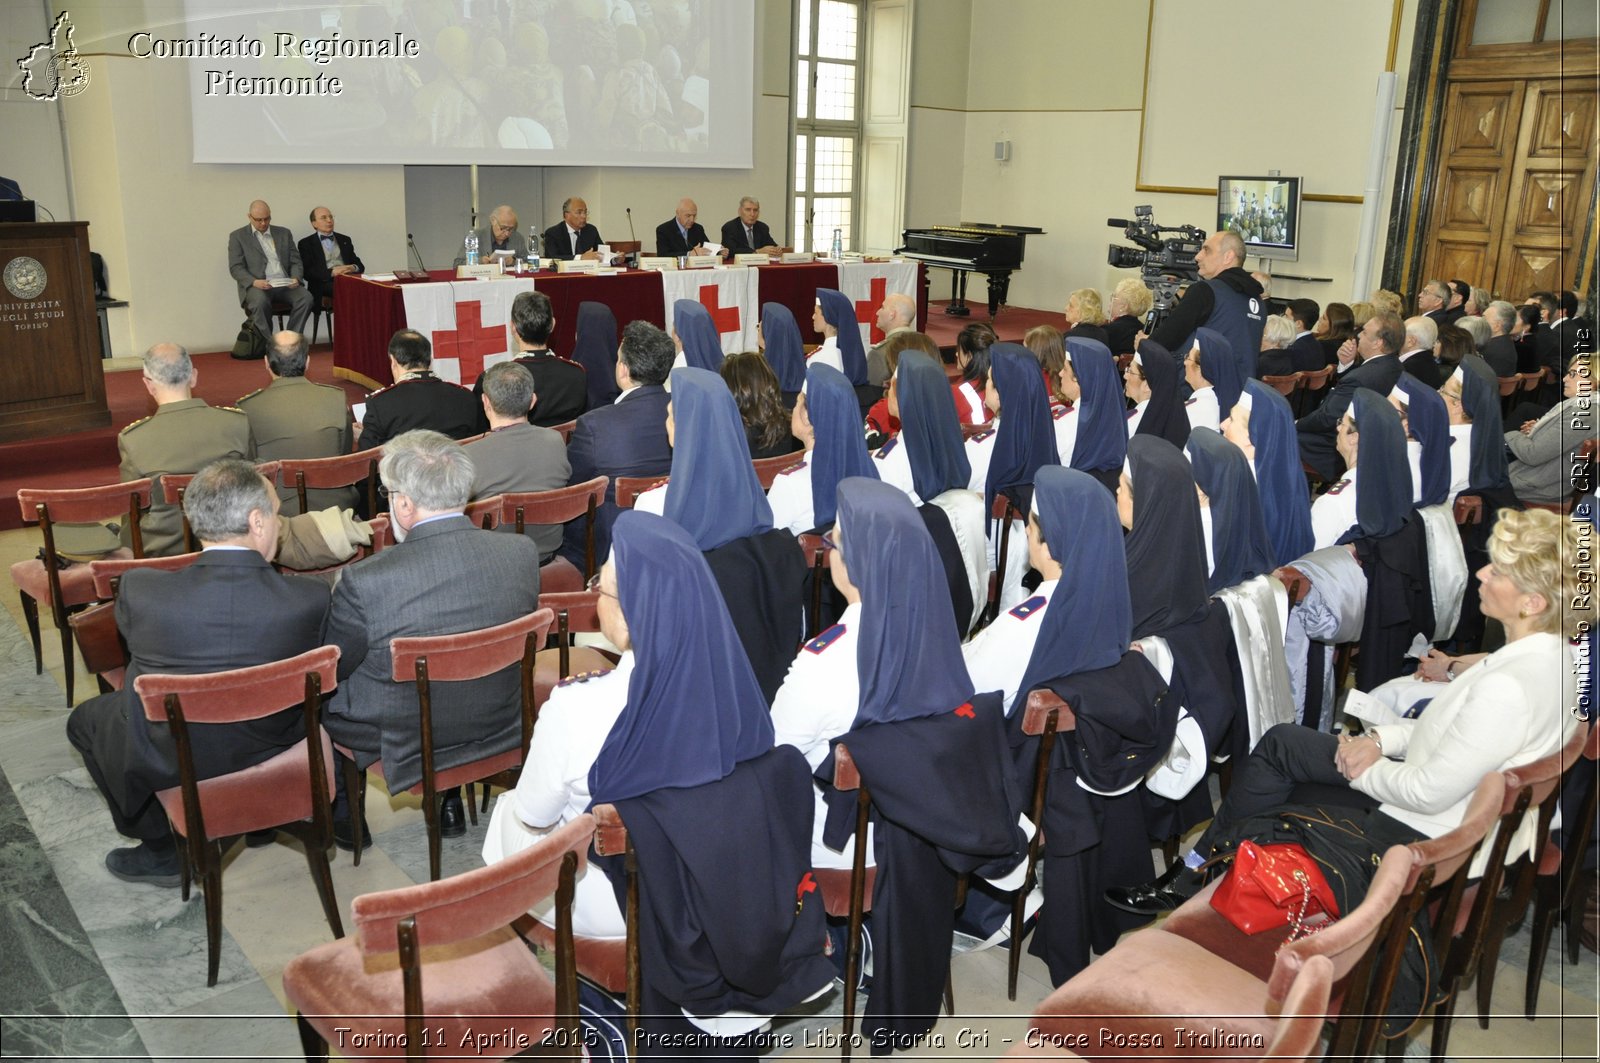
x=84, y=459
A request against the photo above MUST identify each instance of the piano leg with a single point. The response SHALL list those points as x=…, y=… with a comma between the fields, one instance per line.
x=999, y=288
x=957, y=306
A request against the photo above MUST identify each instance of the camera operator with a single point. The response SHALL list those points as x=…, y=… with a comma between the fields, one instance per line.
x=1226, y=299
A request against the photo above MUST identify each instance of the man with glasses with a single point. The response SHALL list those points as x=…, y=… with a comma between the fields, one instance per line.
x=443, y=575
x=326, y=254
x=499, y=235
x=573, y=236
x=1380, y=339
x=1433, y=301
x=265, y=263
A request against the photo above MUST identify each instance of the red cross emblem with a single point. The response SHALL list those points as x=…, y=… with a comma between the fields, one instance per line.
x=965, y=709
x=808, y=884
x=867, y=312
x=726, y=318
x=470, y=341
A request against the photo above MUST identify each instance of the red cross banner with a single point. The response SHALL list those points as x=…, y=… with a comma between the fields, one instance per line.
x=731, y=295
x=468, y=323
x=866, y=283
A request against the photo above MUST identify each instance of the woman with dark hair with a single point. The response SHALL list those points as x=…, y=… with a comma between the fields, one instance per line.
x=696, y=335
x=1525, y=335
x=1092, y=436
x=1047, y=345
x=1261, y=425
x=1005, y=458
x=827, y=421
x=882, y=420
x=1336, y=325
x=755, y=392
x=1454, y=344
x=780, y=338
x=596, y=350
x=972, y=358
x=928, y=461
x=1151, y=382
x=1212, y=373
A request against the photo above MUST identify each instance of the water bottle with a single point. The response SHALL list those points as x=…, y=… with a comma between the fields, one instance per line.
x=472, y=247
x=533, y=247
x=838, y=244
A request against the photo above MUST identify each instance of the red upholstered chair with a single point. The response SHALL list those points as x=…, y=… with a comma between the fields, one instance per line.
x=440, y=960
x=522, y=508
x=1155, y=982
x=1468, y=510
x=289, y=791
x=1005, y=512
x=565, y=429
x=1541, y=780
x=767, y=469
x=1314, y=385
x=631, y=487
x=1286, y=385
x=1567, y=876
x=575, y=612
x=1295, y=582
x=95, y=628
x=63, y=590
x=426, y=659
x=1044, y=717
x=341, y=470
x=484, y=512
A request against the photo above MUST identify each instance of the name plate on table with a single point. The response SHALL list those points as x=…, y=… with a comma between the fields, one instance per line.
x=792, y=258
x=578, y=265
x=658, y=262
x=752, y=260
x=482, y=271
x=702, y=261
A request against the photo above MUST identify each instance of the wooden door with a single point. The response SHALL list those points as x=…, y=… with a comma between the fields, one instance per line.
x=1552, y=179
x=1477, y=153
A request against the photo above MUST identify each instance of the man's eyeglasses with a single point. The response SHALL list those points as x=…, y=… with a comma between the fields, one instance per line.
x=594, y=585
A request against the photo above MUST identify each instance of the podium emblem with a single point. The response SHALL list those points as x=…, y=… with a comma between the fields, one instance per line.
x=25, y=278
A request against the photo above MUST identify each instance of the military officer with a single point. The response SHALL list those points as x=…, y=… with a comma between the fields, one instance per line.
x=417, y=398
x=295, y=417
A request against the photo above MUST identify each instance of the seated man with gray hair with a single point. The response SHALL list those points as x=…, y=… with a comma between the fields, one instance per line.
x=516, y=456
x=236, y=611
x=445, y=575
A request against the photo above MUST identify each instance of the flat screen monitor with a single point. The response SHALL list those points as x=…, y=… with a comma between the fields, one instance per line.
x=1263, y=210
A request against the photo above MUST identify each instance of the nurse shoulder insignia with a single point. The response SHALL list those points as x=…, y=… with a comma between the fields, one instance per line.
x=1029, y=607
x=826, y=639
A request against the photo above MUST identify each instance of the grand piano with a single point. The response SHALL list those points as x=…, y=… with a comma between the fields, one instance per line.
x=971, y=247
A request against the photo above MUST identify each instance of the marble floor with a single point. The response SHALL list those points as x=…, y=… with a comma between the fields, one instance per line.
x=95, y=968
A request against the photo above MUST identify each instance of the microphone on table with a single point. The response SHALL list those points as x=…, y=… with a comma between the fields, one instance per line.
x=629, y=212
x=411, y=244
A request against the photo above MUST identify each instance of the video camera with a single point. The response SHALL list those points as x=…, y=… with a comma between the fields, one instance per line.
x=1163, y=264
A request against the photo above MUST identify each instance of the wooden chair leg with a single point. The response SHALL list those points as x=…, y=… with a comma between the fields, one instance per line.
x=311, y=1042
x=30, y=613
x=858, y=887
x=1443, y=1015
x=322, y=876
x=1573, y=912
x=211, y=888
x=1546, y=911
x=430, y=812
x=68, y=662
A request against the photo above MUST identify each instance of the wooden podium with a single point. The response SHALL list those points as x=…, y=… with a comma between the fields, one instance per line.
x=53, y=381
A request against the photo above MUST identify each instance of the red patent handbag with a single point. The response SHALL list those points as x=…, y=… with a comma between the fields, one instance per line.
x=1272, y=886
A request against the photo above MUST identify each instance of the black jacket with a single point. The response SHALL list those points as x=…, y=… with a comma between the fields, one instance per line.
x=1316, y=428
x=762, y=579
x=1399, y=602
x=671, y=242
x=1198, y=307
x=626, y=438
x=315, y=263
x=733, y=236
x=421, y=401
x=561, y=384
x=1421, y=365
x=557, y=245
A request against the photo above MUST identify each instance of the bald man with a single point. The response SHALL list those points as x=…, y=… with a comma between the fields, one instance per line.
x=265, y=263
x=499, y=235
x=572, y=236
x=897, y=314
x=682, y=234
x=1226, y=299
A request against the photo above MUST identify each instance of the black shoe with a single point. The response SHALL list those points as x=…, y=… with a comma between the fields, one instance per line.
x=1156, y=896
x=341, y=834
x=260, y=839
x=452, y=817
x=144, y=864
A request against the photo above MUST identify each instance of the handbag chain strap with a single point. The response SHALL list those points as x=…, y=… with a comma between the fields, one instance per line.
x=1297, y=920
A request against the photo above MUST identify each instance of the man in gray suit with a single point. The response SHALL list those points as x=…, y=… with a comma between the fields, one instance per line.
x=444, y=576
x=515, y=455
x=499, y=235
x=264, y=260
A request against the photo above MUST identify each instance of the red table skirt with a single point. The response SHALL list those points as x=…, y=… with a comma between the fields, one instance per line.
x=369, y=312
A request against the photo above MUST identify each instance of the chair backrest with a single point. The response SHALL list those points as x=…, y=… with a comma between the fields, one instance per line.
x=1297, y=583
x=1285, y=384
x=239, y=693
x=484, y=512
x=1302, y=1013
x=86, y=505
x=472, y=904
x=767, y=469
x=341, y=470
x=467, y=654
x=99, y=642
x=1469, y=509
x=522, y=508
x=173, y=485
x=565, y=429
x=815, y=551
x=1509, y=384
x=1348, y=941
x=106, y=572
x=1450, y=853
x=630, y=488
x=581, y=608
x=1530, y=381
x=1036, y=715
x=1314, y=379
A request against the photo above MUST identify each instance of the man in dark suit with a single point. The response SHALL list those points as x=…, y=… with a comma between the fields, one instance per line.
x=1501, y=350
x=417, y=398
x=627, y=438
x=1377, y=343
x=1432, y=301
x=443, y=576
x=573, y=236
x=516, y=456
x=1455, y=304
x=265, y=264
x=562, y=384
x=1305, y=353
x=235, y=611
x=1416, y=356
x=326, y=254
x=295, y=417
x=748, y=234
x=681, y=234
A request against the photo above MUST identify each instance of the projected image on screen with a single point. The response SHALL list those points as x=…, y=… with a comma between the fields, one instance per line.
x=542, y=82
x=1263, y=210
